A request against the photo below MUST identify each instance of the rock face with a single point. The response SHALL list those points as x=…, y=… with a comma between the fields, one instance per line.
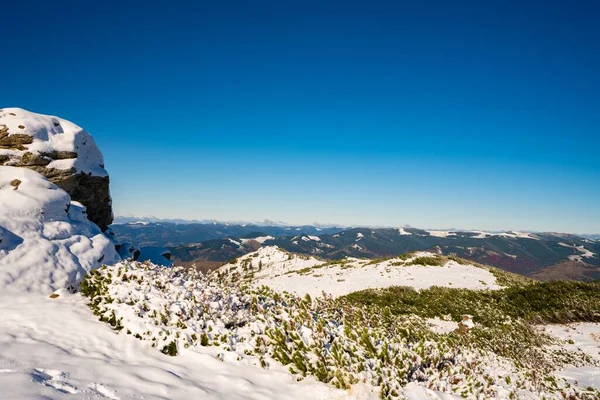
x=46, y=240
x=62, y=152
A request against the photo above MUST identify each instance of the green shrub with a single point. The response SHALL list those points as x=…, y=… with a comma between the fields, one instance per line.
x=204, y=339
x=170, y=349
x=429, y=260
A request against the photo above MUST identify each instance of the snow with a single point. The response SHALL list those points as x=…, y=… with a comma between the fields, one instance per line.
x=442, y=234
x=480, y=235
x=47, y=240
x=442, y=326
x=578, y=257
x=359, y=236
x=508, y=234
x=262, y=239
x=42, y=359
x=315, y=238
x=583, y=337
x=53, y=134
x=520, y=235
x=416, y=392
x=259, y=239
x=235, y=242
x=287, y=272
x=401, y=231
x=274, y=262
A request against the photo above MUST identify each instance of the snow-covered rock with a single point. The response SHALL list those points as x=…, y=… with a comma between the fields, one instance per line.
x=46, y=240
x=62, y=152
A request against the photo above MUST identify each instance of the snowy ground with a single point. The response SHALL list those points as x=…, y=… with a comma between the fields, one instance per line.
x=282, y=271
x=339, y=280
x=583, y=337
x=56, y=349
x=46, y=240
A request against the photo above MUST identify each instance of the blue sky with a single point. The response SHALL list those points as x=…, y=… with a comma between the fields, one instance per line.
x=437, y=114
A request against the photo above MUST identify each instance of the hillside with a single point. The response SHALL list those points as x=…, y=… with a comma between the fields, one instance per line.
x=283, y=271
x=542, y=255
x=453, y=329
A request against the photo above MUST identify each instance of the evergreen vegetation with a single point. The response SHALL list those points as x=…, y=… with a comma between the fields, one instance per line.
x=380, y=337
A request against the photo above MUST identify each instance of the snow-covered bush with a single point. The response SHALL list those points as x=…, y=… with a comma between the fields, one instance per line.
x=338, y=341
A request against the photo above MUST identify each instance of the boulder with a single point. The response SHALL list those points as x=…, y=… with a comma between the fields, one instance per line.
x=62, y=152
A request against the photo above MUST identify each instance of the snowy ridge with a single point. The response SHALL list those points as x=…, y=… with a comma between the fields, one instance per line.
x=508, y=234
x=268, y=261
x=578, y=257
x=53, y=134
x=282, y=271
x=46, y=241
x=259, y=239
x=442, y=234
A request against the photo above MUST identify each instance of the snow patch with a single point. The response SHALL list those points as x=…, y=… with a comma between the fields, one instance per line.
x=442, y=234
x=579, y=337
x=338, y=279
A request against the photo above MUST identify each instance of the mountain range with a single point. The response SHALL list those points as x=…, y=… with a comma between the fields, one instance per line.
x=544, y=256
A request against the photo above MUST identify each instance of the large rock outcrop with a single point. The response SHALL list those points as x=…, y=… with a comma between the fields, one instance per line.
x=62, y=152
x=46, y=240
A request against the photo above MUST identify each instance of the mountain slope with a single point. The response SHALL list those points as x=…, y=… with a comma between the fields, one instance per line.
x=389, y=341
x=283, y=271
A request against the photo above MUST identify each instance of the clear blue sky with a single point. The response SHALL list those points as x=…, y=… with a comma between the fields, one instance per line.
x=478, y=114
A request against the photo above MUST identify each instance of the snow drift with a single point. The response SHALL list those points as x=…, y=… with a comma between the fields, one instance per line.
x=46, y=240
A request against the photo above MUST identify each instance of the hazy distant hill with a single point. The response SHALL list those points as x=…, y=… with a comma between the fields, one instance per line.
x=145, y=233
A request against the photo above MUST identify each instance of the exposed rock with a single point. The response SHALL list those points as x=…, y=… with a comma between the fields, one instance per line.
x=62, y=152
x=31, y=159
x=15, y=183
